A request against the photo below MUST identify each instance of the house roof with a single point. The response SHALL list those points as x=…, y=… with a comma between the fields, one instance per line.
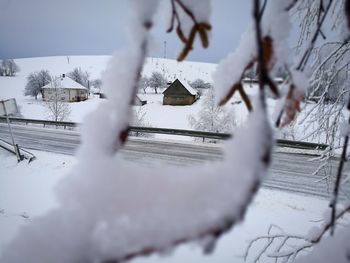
x=64, y=83
x=185, y=84
x=188, y=87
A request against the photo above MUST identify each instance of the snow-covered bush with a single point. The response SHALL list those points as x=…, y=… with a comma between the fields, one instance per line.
x=139, y=120
x=211, y=117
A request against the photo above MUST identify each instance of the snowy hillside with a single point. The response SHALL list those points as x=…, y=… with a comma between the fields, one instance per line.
x=156, y=114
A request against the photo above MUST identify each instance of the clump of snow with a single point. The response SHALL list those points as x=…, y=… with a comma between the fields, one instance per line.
x=229, y=70
x=276, y=24
x=109, y=209
x=330, y=249
x=29, y=188
x=300, y=81
x=314, y=233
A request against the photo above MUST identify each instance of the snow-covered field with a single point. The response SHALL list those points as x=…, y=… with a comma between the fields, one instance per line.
x=27, y=191
x=157, y=115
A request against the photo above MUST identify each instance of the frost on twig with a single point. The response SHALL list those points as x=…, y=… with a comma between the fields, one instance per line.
x=279, y=245
x=180, y=14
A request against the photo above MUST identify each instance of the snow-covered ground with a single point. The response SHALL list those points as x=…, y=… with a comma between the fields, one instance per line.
x=157, y=115
x=27, y=191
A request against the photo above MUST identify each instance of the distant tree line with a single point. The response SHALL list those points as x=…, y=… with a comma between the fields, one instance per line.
x=157, y=81
x=9, y=68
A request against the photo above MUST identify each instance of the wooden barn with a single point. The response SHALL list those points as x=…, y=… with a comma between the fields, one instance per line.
x=179, y=93
x=66, y=89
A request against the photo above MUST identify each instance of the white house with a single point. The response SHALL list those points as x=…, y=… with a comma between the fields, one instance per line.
x=65, y=89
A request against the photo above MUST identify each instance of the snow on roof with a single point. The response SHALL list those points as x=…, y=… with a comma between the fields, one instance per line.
x=64, y=83
x=188, y=86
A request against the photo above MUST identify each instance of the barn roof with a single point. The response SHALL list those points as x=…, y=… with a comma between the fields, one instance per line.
x=188, y=87
x=64, y=82
x=185, y=84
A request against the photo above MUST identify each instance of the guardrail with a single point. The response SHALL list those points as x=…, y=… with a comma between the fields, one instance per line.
x=190, y=133
x=64, y=124
x=24, y=154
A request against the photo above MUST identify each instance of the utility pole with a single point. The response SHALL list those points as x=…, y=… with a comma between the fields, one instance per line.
x=4, y=111
x=164, y=49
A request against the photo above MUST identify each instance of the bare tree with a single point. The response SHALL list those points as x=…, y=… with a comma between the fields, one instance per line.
x=139, y=120
x=96, y=84
x=57, y=108
x=200, y=85
x=9, y=67
x=35, y=82
x=285, y=247
x=326, y=62
x=143, y=84
x=80, y=76
x=2, y=70
x=157, y=81
x=212, y=117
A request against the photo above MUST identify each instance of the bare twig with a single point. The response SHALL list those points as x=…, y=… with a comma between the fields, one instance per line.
x=308, y=51
x=123, y=135
x=263, y=75
x=288, y=8
x=277, y=247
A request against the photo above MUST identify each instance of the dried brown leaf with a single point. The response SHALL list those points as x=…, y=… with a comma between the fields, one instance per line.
x=204, y=37
x=202, y=29
x=205, y=26
x=181, y=35
x=245, y=98
x=292, y=105
x=267, y=44
x=233, y=89
x=188, y=45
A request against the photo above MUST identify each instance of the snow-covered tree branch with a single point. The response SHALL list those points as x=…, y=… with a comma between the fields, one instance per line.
x=111, y=211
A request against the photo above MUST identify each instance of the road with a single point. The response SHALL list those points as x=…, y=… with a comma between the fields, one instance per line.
x=289, y=171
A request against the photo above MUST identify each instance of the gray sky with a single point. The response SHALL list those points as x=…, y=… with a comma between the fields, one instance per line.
x=32, y=28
